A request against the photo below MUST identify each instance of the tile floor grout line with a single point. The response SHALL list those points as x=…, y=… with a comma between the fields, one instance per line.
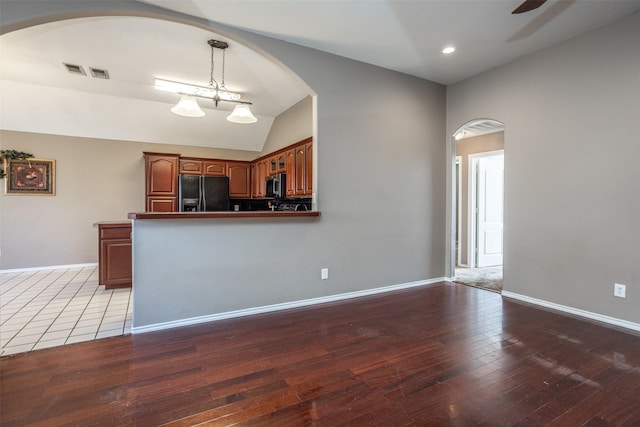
x=15, y=334
x=105, y=312
x=39, y=311
x=39, y=293
x=21, y=282
x=83, y=310
x=89, y=282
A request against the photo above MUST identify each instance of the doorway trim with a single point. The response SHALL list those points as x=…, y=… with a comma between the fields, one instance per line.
x=458, y=240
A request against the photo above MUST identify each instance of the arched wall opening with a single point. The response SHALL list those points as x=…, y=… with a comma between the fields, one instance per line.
x=475, y=232
x=100, y=140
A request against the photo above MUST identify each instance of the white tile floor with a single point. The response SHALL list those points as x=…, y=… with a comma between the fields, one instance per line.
x=48, y=308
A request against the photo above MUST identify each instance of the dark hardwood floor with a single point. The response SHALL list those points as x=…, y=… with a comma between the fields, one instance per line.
x=445, y=354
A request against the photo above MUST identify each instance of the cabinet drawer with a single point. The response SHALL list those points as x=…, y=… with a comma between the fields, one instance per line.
x=115, y=233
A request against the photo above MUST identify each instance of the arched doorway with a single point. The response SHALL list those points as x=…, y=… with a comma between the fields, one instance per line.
x=477, y=223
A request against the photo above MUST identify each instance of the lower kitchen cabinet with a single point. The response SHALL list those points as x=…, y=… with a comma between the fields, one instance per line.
x=162, y=204
x=114, y=254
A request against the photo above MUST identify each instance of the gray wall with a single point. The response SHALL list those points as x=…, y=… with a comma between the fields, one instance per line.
x=464, y=148
x=372, y=160
x=572, y=186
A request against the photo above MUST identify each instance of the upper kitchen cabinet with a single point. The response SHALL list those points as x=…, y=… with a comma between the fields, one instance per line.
x=308, y=189
x=161, y=176
x=215, y=168
x=239, y=174
x=190, y=166
x=273, y=165
x=290, y=165
x=281, y=161
x=296, y=161
x=207, y=167
x=300, y=172
x=259, y=172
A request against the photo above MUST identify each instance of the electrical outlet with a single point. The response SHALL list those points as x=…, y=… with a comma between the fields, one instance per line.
x=619, y=290
x=324, y=273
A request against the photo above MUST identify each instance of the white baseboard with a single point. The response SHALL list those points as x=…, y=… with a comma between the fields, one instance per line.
x=49, y=267
x=574, y=311
x=282, y=306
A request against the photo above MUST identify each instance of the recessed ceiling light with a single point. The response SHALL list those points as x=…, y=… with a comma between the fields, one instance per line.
x=448, y=50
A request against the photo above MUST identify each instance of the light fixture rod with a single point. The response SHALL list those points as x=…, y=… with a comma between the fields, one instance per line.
x=237, y=101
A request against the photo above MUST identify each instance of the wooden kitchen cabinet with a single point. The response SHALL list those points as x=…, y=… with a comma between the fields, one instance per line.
x=273, y=165
x=214, y=168
x=300, y=178
x=239, y=174
x=259, y=172
x=161, y=204
x=262, y=178
x=191, y=166
x=114, y=255
x=308, y=182
x=282, y=163
x=161, y=182
x=291, y=172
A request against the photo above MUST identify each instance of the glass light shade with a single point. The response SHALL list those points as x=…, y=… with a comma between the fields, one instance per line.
x=188, y=107
x=242, y=114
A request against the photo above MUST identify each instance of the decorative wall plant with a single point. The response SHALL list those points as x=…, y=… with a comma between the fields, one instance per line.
x=11, y=155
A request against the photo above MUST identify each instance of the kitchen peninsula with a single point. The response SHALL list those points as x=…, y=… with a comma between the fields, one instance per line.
x=190, y=262
x=191, y=267
x=224, y=214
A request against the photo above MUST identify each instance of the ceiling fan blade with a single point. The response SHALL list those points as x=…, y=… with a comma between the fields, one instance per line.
x=528, y=5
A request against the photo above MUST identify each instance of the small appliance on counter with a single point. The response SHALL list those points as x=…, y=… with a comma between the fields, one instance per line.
x=203, y=193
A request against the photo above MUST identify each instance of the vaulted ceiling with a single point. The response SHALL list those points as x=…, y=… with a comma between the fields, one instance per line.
x=39, y=95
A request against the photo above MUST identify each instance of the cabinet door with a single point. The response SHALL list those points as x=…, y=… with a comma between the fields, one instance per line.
x=291, y=172
x=272, y=164
x=114, y=256
x=254, y=180
x=300, y=172
x=308, y=168
x=117, y=263
x=262, y=177
x=239, y=179
x=162, y=204
x=162, y=175
x=191, y=167
x=282, y=162
x=215, y=168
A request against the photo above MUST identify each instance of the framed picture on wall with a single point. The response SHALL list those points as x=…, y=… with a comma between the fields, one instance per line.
x=31, y=176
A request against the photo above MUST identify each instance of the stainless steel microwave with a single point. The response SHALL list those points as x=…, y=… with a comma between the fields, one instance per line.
x=277, y=185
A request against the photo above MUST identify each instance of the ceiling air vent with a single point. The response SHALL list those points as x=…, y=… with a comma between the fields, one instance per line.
x=99, y=74
x=74, y=69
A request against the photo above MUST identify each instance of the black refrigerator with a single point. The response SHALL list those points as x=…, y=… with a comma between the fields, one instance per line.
x=203, y=193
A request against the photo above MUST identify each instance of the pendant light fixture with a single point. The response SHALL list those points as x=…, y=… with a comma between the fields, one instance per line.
x=188, y=105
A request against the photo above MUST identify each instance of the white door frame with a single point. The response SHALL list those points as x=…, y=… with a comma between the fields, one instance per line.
x=472, y=218
x=458, y=239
